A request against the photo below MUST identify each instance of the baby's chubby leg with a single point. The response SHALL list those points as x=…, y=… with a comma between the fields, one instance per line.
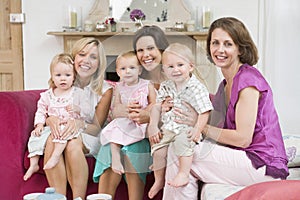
x=159, y=166
x=182, y=178
x=116, y=163
x=58, y=150
x=34, y=167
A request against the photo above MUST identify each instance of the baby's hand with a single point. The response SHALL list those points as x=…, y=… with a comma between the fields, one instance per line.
x=195, y=135
x=154, y=134
x=167, y=104
x=37, y=131
x=73, y=109
x=69, y=108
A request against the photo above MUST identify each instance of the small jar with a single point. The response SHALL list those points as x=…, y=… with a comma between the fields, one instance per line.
x=101, y=27
x=179, y=26
x=88, y=26
x=50, y=194
x=190, y=25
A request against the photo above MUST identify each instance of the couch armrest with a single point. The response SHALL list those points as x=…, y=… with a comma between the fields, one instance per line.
x=17, y=111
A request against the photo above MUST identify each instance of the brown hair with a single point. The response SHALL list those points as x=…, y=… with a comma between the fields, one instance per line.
x=240, y=36
x=61, y=58
x=156, y=33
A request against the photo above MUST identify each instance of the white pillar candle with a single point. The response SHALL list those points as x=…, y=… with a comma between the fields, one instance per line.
x=72, y=18
x=206, y=15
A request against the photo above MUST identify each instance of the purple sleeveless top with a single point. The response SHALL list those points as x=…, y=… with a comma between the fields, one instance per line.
x=267, y=146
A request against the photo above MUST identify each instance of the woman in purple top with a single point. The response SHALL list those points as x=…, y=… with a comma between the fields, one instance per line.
x=243, y=142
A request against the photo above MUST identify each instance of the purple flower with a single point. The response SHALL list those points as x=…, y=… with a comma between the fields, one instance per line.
x=136, y=14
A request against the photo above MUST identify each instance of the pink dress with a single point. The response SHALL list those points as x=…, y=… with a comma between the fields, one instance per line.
x=124, y=131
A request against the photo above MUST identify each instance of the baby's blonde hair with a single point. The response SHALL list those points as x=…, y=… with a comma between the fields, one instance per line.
x=181, y=51
x=127, y=54
x=186, y=54
x=60, y=58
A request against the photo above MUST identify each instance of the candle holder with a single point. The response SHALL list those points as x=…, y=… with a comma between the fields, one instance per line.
x=72, y=19
x=206, y=17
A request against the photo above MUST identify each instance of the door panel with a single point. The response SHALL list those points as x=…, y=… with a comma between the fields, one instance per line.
x=11, y=54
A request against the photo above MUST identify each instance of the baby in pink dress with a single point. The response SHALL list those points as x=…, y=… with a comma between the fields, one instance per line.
x=130, y=90
x=62, y=100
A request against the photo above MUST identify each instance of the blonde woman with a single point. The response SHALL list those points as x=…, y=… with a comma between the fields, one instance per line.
x=90, y=64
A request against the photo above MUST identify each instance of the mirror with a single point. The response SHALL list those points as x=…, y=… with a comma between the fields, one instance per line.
x=176, y=11
x=154, y=10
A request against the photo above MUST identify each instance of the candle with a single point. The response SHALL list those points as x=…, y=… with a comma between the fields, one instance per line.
x=73, y=18
x=206, y=17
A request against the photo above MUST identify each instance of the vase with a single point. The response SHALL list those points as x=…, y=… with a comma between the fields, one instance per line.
x=113, y=27
x=138, y=24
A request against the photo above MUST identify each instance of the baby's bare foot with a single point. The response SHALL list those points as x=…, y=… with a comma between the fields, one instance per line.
x=181, y=179
x=52, y=162
x=118, y=171
x=117, y=166
x=30, y=171
x=156, y=187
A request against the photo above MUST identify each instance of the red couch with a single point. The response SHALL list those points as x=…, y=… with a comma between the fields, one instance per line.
x=17, y=111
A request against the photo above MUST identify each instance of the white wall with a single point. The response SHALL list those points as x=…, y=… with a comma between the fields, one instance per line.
x=39, y=48
x=279, y=55
x=49, y=15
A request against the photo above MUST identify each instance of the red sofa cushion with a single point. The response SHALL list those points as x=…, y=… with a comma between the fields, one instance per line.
x=273, y=190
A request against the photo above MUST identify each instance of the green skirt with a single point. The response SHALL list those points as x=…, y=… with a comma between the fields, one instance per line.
x=138, y=154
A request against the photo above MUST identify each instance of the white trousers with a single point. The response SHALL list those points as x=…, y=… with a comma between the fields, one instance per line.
x=213, y=163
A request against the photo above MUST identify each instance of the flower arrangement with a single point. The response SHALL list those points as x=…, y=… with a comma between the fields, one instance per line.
x=137, y=14
x=110, y=20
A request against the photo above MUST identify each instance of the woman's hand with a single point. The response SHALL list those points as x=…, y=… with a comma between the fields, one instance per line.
x=186, y=116
x=71, y=127
x=120, y=110
x=137, y=114
x=54, y=123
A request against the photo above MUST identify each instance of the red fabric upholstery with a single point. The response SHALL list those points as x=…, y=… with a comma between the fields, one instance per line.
x=273, y=190
x=17, y=111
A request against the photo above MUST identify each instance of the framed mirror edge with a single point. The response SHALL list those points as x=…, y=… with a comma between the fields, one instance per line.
x=100, y=10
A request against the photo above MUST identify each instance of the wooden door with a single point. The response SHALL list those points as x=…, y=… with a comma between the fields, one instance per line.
x=11, y=53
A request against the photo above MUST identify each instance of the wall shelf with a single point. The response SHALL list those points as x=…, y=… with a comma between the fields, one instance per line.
x=106, y=33
x=125, y=39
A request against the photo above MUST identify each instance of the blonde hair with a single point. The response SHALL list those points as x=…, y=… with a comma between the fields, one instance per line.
x=98, y=77
x=127, y=54
x=60, y=58
x=186, y=54
x=181, y=51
